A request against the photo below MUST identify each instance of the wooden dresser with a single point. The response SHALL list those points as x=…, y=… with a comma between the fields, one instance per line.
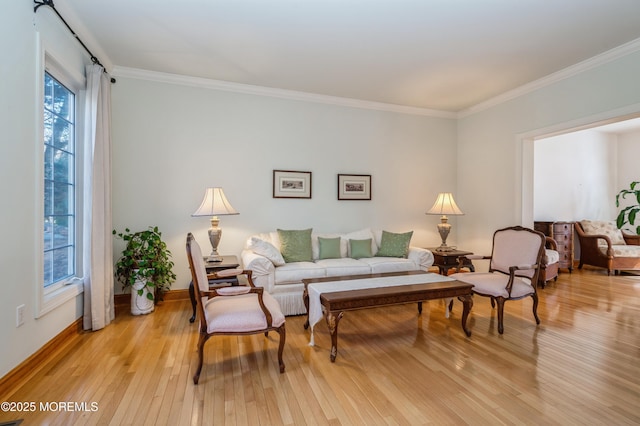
x=562, y=232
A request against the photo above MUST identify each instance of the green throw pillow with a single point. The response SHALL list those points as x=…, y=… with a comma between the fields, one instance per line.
x=329, y=248
x=360, y=248
x=295, y=245
x=394, y=245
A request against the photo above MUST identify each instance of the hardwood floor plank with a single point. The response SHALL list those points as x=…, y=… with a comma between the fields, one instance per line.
x=579, y=366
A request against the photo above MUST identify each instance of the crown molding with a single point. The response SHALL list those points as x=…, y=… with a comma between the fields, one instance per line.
x=274, y=93
x=603, y=58
x=596, y=61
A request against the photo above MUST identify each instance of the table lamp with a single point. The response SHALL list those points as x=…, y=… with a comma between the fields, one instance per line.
x=445, y=205
x=214, y=204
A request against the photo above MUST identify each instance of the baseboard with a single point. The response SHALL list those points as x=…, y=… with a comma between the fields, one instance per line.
x=121, y=300
x=182, y=294
x=31, y=366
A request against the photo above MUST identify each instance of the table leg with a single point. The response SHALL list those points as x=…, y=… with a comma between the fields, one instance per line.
x=467, y=302
x=305, y=298
x=332, y=323
x=192, y=296
x=448, y=306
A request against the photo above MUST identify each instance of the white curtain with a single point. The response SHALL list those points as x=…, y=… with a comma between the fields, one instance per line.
x=97, y=223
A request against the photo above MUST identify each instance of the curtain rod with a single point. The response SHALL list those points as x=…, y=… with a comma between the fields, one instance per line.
x=49, y=3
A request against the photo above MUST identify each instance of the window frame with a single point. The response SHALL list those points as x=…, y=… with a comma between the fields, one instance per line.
x=50, y=297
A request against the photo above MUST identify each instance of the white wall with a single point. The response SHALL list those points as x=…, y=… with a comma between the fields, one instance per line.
x=575, y=177
x=628, y=155
x=170, y=142
x=19, y=176
x=628, y=168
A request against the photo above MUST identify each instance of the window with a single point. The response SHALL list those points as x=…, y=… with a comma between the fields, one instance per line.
x=59, y=183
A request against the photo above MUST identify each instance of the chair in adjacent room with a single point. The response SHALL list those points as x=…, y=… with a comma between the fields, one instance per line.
x=550, y=266
x=236, y=310
x=603, y=245
x=513, y=270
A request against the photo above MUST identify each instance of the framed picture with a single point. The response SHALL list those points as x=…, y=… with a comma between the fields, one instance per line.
x=354, y=187
x=291, y=184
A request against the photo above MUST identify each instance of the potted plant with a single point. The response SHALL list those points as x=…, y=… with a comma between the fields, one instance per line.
x=146, y=266
x=629, y=213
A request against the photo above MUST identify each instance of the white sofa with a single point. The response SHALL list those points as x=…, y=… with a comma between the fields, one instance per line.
x=284, y=280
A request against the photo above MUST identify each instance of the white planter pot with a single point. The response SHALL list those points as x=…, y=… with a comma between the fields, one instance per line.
x=141, y=304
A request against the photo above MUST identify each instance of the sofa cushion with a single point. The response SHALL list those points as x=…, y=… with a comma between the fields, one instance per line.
x=360, y=248
x=295, y=245
x=389, y=264
x=266, y=249
x=552, y=256
x=394, y=245
x=601, y=227
x=622, y=250
x=296, y=271
x=344, y=266
x=329, y=248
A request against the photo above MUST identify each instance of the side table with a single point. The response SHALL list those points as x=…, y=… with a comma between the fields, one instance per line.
x=446, y=260
x=228, y=262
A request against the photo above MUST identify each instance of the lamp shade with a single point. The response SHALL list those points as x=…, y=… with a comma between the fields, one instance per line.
x=215, y=204
x=445, y=205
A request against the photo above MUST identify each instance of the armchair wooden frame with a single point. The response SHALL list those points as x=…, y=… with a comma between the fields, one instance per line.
x=591, y=254
x=229, y=293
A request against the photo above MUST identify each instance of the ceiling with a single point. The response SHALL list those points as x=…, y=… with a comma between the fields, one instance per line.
x=445, y=55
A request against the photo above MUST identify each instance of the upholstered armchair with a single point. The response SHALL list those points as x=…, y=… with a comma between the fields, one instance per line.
x=513, y=270
x=549, y=268
x=236, y=310
x=603, y=245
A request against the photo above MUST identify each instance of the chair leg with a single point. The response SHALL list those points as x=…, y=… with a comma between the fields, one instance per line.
x=493, y=302
x=203, y=338
x=534, y=296
x=500, y=301
x=283, y=336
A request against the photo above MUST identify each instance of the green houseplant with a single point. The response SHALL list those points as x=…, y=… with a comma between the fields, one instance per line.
x=145, y=266
x=629, y=213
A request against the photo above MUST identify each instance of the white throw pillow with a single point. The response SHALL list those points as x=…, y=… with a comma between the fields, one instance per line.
x=266, y=249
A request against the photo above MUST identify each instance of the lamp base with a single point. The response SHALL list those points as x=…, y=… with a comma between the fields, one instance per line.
x=215, y=234
x=443, y=229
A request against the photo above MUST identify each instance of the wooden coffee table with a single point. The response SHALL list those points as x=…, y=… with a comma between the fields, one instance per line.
x=336, y=302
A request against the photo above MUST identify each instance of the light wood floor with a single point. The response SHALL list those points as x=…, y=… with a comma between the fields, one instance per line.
x=580, y=366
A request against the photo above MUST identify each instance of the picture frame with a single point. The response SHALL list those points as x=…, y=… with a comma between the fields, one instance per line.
x=291, y=184
x=354, y=187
